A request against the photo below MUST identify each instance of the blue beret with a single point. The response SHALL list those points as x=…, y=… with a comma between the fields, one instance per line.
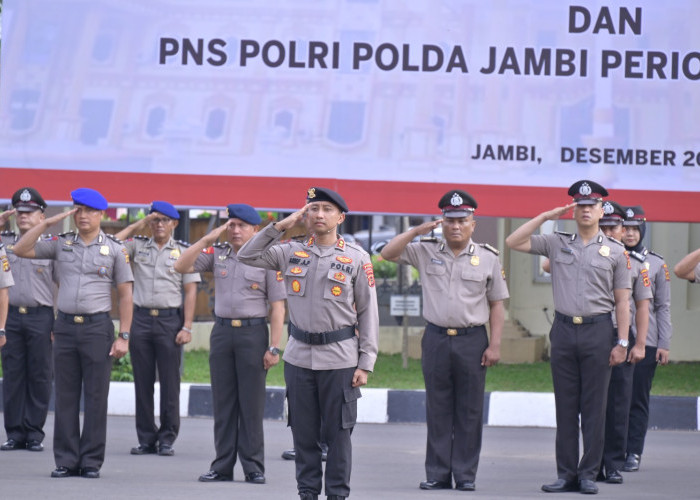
x=325, y=194
x=244, y=212
x=164, y=208
x=89, y=198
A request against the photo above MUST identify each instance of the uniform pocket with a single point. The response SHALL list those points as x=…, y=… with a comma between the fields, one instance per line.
x=337, y=287
x=220, y=271
x=350, y=397
x=474, y=280
x=295, y=279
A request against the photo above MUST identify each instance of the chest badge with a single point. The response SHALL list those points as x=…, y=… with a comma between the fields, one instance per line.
x=301, y=254
x=296, y=286
x=175, y=254
x=296, y=270
x=344, y=260
x=604, y=251
x=646, y=266
x=102, y=271
x=475, y=260
x=336, y=291
x=339, y=277
x=222, y=257
x=104, y=250
x=254, y=286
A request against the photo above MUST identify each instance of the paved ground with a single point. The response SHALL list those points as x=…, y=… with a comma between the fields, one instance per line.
x=388, y=464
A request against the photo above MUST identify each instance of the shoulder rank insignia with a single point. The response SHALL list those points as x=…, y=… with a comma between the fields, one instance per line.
x=563, y=233
x=429, y=239
x=490, y=248
x=7, y=233
x=654, y=253
x=114, y=238
x=208, y=250
x=637, y=256
x=140, y=237
x=613, y=240
x=185, y=244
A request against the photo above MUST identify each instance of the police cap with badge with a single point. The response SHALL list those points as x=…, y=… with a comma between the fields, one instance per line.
x=244, y=212
x=89, y=198
x=457, y=203
x=634, y=216
x=587, y=192
x=165, y=208
x=28, y=199
x=613, y=214
x=325, y=194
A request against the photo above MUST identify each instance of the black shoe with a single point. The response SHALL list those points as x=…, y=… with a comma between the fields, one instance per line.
x=465, y=485
x=12, y=444
x=144, y=449
x=632, y=463
x=289, y=454
x=560, y=486
x=90, y=473
x=255, y=478
x=587, y=487
x=34, y=445
x=308, y=496
x=165, y=450
x=601, y=476
x=64, y=472
x=335, y=497
x=435, y=485
x=614, y=477
x=212, y=475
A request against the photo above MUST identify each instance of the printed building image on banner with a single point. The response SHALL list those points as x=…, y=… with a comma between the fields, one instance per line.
x=529, y=93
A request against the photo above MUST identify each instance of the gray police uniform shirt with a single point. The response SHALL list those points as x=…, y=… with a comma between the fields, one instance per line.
x=457, y=289
x=34, y=278
x=584, y=276
x=156, y=283
x=328, y=288
x=86, y=273
x=641, y=289
x=5, y=272
x=660, y=327
x=240, y=291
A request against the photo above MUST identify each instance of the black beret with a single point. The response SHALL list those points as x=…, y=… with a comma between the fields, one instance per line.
x=28, y=199
x=587, y=192
x=457, y=203
x=325, y=194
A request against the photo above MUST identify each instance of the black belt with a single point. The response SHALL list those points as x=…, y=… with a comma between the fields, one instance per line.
x=323, y=337
x=236, y=323
x=454, y=331
x=157, y=312
x=581, y=320
x=83, y=318
x=29, y=310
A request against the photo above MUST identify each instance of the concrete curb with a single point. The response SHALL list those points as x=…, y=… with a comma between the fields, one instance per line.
x=503, y=409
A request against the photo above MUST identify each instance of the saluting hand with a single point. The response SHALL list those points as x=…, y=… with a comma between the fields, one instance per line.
x=5, y=216
x=59, y=217
x=211, y=238
x=427, y=227
x=292, y=220
x=558, y=212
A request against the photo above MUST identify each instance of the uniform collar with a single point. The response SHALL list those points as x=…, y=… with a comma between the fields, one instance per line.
x=339, y=243
x=470, y=249
x=101, y=239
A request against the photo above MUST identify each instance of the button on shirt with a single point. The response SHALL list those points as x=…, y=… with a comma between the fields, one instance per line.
x=156, y=283
x=241, y=291
x=34, y=278
x=86, y=272
x=5, y=272
x=457, y=289
x=328, y=288
x=584, y=276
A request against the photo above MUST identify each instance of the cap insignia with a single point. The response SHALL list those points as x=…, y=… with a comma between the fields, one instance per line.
x=630, y=212
x=311, y=193
x=456, y=200
x=25, y=196
x=608, y=208
x=585, y=189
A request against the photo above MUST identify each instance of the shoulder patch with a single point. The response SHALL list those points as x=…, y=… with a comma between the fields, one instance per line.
x=613, y=240
x=563, y=233
x=225, y=244
x=429, y=239
x=114, y=238
x=208, y=250
x=7, y=233
x=66, y=234
x=140, y=237
x=183, y=243
x=490, y=248
x=638, y=256
x=654, y=253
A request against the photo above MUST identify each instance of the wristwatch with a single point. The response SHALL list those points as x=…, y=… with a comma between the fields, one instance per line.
x=124, y=335
x=2, y=334
x=623, y=342
x=274, y=350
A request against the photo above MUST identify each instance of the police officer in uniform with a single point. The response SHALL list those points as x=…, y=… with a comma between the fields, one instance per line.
x=6, y=281
x=590, y=278
x=240, y=354
x=26, y=361
x=463, y=288
x=658, y=341
x=160, y=325
x=620, y=388
x=333, y=330
x=88, y=264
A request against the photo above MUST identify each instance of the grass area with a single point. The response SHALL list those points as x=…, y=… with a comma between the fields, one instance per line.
x=676, y=379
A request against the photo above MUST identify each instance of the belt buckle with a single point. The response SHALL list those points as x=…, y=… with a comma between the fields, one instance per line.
x=22, y=310
x=451, y=332
x=153, y=312
x=578, y=320
x=78, y=319
x=236, y=323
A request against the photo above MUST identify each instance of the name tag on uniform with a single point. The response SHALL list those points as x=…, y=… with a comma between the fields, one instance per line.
x=567, y=250
x=437, y=261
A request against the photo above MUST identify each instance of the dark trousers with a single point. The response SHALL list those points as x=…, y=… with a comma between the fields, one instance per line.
x=454, y=403
x=581, y=374
x=81, y=361
x=314, y=396
x=617, y=414
x=238, y=393
x=27, y=370
x=152, y=346
x=639, y=409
